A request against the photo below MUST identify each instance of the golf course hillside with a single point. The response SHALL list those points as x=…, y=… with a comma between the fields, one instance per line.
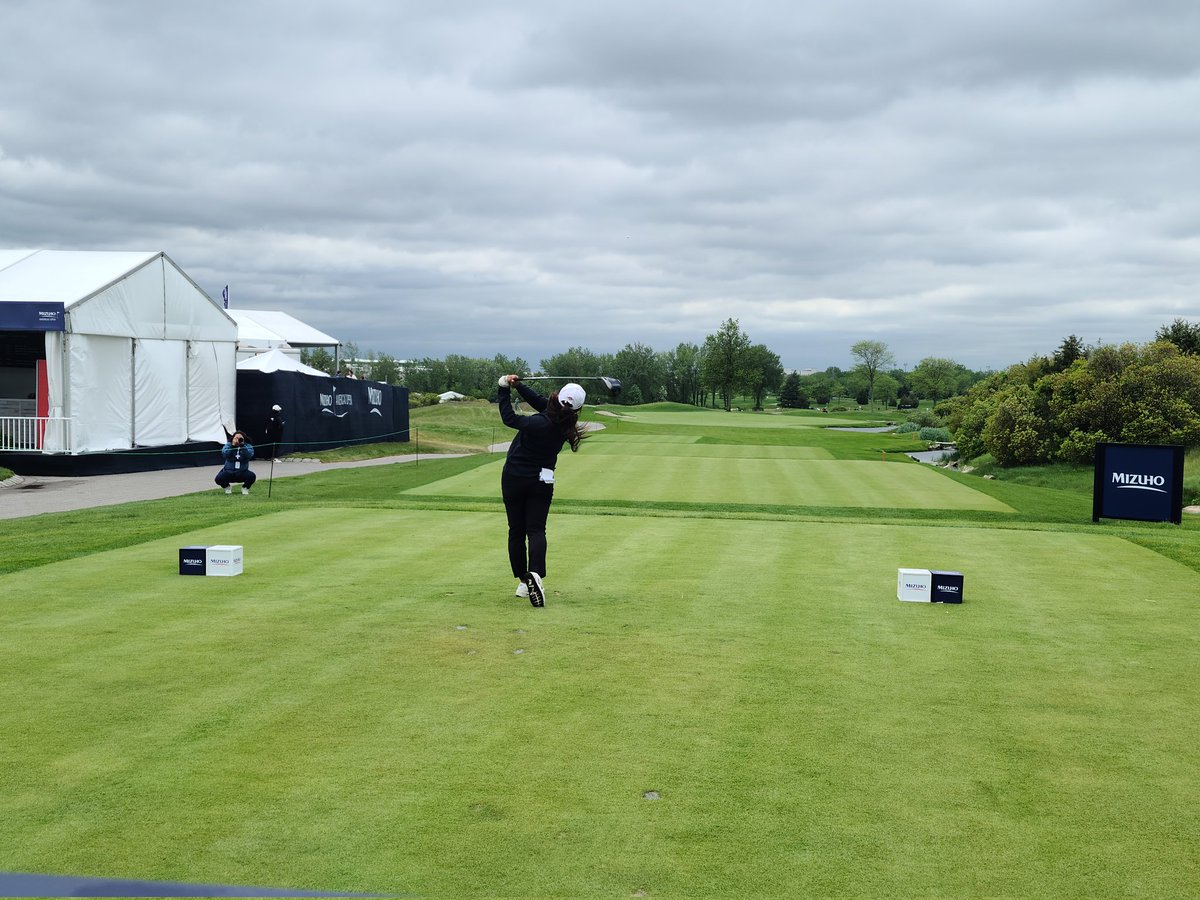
x=722, y=697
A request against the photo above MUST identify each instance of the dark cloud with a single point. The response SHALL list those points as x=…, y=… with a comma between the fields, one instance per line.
x=975, y=180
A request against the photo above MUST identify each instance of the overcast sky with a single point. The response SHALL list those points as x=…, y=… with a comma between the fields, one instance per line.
x=969, y=178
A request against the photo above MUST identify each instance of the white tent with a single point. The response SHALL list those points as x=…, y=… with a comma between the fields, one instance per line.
x=277, y=361
x=139, y=355
x=263, y=329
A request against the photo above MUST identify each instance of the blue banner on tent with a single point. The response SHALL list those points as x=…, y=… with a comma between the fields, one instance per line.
x=23, y=315
x=1138, y=481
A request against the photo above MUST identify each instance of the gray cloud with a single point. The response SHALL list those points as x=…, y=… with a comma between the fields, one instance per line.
x=968, y=180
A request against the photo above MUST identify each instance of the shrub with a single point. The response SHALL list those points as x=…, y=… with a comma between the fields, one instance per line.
x=908, y=428
x=925, y=418
x=1079, y=447
x=934, y=434
x=417, y=399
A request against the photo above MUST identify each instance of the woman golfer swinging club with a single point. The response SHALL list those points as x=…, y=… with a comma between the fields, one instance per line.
x=527, y=483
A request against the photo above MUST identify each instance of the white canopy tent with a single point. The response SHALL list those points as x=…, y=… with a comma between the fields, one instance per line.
x=277, y=361
x=140, y=356
x=263, y=329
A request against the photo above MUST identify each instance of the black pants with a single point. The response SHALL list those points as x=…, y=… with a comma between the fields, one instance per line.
x=245, y=476
x=527, y=504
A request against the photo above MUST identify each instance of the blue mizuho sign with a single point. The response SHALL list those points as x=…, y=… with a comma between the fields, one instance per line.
x=32, y=316
x=1138, y=481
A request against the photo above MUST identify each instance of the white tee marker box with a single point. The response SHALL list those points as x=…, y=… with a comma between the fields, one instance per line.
x=914, y=585
x=224, y=559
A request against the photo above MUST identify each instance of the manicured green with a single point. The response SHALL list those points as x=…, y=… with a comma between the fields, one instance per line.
x=368, y=708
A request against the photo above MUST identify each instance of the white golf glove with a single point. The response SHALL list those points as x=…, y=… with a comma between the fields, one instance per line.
x=503, y=382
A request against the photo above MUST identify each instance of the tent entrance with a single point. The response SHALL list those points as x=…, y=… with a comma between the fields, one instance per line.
x=24, y=397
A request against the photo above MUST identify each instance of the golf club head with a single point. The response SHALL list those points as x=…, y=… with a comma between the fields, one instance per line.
x=613, y=385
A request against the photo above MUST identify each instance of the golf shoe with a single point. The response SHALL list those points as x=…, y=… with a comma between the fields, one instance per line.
x=533, y=583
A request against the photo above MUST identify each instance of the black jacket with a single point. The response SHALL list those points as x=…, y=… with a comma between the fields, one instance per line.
x=538, y=440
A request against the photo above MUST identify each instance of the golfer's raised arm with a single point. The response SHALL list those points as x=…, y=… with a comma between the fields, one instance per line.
x=532, y=397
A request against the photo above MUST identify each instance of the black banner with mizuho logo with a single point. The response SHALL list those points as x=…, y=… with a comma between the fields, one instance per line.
x=1138, y=481
x=319, y=412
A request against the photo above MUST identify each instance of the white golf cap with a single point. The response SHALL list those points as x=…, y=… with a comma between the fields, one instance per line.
x=572, y=395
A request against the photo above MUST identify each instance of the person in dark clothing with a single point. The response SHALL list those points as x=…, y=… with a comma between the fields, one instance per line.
x=237, y=453
x=527, y=483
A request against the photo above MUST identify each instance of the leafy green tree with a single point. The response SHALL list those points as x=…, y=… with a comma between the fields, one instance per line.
x=886, y=388
x=466, y=374
x=872, y=356
x=724, y=361
x=903, y=388
x=1183, y=334
x=936, y=378
x=385, y=368
x=577, y=362
x=1015, y=434
x=682, y=368
x=427, y=376
x=1162, y=398
x=791, y=395
x=854, y=385
x=764, y=372
x=1071, y=349
x=504, y=365
x=347, y=352
x=637, y=365
x=318, y=358
x=819, y=387
x=1034, y=412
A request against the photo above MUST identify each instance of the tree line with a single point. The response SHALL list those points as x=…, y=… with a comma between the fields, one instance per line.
x=878, y=380
x=728, y=365
x=1059, y=407
x=1053, y=407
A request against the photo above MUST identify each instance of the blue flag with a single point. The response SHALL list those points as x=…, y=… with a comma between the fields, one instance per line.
x=225, y=296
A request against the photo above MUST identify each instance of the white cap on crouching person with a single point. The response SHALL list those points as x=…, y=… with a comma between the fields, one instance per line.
x=572, y=395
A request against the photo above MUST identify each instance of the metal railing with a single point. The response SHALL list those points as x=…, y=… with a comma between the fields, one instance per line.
x=35, y=433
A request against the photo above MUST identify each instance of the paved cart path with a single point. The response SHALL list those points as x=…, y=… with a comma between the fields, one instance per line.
x=31, y=495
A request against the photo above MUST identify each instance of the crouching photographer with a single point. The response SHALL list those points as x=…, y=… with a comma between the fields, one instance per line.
x=237, y=453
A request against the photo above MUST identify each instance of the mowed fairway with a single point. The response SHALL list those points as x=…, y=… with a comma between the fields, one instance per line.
x=368, y=708
x=688, y=477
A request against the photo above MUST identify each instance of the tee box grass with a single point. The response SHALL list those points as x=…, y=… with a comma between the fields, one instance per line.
x=717, y=700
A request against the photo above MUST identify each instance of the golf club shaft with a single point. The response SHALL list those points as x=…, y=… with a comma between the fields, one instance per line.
x=561, y=377
x=613, y=384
